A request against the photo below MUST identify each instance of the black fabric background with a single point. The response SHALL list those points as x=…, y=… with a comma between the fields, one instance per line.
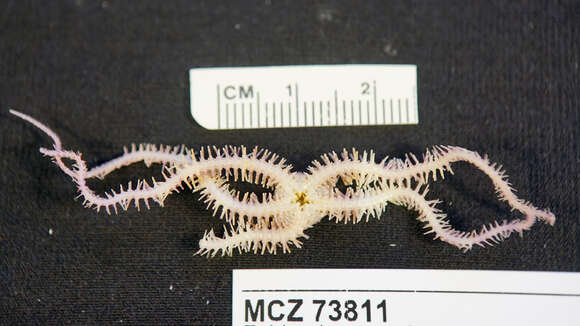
x=498, y=77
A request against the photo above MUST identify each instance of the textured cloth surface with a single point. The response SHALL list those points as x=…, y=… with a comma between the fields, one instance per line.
x=497, y=77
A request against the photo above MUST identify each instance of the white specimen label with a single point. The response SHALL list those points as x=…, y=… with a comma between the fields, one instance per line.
x=303, y=96
x=404, y=297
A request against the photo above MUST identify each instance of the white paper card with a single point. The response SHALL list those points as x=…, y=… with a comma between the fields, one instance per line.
x=404, y=297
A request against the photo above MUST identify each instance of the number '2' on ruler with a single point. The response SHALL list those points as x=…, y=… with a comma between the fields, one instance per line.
x=304, y=96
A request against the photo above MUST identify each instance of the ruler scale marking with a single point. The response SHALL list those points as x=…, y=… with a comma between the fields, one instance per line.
x=297, y=105
x=391, y=109
x=328, y=117
x=407, y=109
x=375, y=101
x=313, y=120
x=399, y=106
x=227, y=116
x=321, y=115
x=384, y=116
x=336, y=106
x=352, y=112
x=218, y=107
x=305, y=115
x=251, y=115
x=289, y=114
x=281, y=114
x=258, y=109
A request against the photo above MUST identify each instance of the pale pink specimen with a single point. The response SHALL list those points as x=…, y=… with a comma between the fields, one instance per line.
x=295, y=200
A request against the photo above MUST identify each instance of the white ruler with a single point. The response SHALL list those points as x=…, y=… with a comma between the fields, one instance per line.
x=303, y=96
x=333, y=297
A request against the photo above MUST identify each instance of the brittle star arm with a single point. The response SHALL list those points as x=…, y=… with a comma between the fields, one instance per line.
x=247, y=208
x=254, y=238
x=400, y=172
x=79, y=172
x=344, y=208
x=437, y=222
x=395, y=177
x=258, y=167
x=146, y=153
x=182, y=166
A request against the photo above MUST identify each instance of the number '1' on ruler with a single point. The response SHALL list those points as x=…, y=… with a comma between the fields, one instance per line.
x=304, y=96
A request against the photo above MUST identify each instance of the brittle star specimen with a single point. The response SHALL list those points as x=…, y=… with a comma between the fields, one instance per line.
x=294, y=201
